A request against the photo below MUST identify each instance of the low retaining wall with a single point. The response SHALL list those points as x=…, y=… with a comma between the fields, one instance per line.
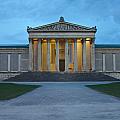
x=4, y=76
x=113, y=74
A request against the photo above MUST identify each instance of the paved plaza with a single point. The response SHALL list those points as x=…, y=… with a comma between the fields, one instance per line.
x=61, y=101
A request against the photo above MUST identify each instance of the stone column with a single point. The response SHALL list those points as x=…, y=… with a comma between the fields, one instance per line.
x=66, y=55
x=93, y=55
x=75, y=56
x=35, y=55
x=30, y=55
x=39, y=55
x=114, y=63
x=57, y=55
x=103, y=62
x=84, y=55
x=48, y=54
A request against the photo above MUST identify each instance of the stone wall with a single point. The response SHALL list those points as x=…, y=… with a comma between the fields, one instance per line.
x=14, y=59
x=17, y=59
x=107, y=59
x=113, y=74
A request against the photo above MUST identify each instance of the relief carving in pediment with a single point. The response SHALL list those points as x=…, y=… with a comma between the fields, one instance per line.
x=60, y=27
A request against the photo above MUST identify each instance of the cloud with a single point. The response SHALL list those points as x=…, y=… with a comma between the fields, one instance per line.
x=17, y=14
x=30, y=9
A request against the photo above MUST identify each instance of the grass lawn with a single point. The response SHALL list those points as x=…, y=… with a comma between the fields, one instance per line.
x=10, y=90
x=110, y=89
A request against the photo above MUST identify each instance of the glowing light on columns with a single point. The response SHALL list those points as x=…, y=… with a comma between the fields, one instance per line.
x=35, y=44
x=88, y=39
x=79, y=54
x=88, y=49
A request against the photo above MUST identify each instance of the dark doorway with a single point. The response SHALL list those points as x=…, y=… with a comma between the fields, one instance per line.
x=62, y=65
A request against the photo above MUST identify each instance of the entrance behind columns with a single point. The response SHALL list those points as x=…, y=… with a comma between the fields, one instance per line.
x=70, y=59
x=62, y=55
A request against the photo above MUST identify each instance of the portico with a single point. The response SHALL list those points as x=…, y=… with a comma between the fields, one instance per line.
x=62, y=47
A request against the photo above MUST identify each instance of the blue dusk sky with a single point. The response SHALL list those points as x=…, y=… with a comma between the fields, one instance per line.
x=16, y=15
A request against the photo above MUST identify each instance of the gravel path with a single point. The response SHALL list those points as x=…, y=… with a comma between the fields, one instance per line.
x=61, y=101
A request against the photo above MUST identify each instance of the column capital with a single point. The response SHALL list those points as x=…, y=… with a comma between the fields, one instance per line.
x=35, y=39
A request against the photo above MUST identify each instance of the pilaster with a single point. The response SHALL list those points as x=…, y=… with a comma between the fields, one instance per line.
x=9, y=62
x=103, y=62
x=19, y=62
x=114, y=63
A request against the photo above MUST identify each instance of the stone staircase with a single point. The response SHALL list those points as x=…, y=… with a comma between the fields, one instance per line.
x=60, y=77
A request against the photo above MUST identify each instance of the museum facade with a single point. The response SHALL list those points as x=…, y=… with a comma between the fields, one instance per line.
x=60, y=47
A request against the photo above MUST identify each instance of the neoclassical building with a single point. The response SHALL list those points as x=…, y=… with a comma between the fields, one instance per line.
x=60, y=47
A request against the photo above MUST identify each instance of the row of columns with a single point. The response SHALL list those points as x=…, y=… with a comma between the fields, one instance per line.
x=35, y=60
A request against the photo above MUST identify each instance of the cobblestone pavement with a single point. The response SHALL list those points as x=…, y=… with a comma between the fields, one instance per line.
x=61, y=101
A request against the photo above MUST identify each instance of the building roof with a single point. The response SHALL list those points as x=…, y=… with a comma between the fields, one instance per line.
x=107, y=45
x=14, y=45
x=61, y=25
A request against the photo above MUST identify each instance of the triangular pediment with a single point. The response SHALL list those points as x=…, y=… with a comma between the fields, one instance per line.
x=61, y=26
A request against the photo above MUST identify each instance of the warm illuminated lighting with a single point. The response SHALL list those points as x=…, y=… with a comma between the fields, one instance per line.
x=88, y=38
x=70, y=40
x=35, y=42
x=79, y=40
x=44, y=40
x=87, y=42
x=52, y=40
x=35, y=39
